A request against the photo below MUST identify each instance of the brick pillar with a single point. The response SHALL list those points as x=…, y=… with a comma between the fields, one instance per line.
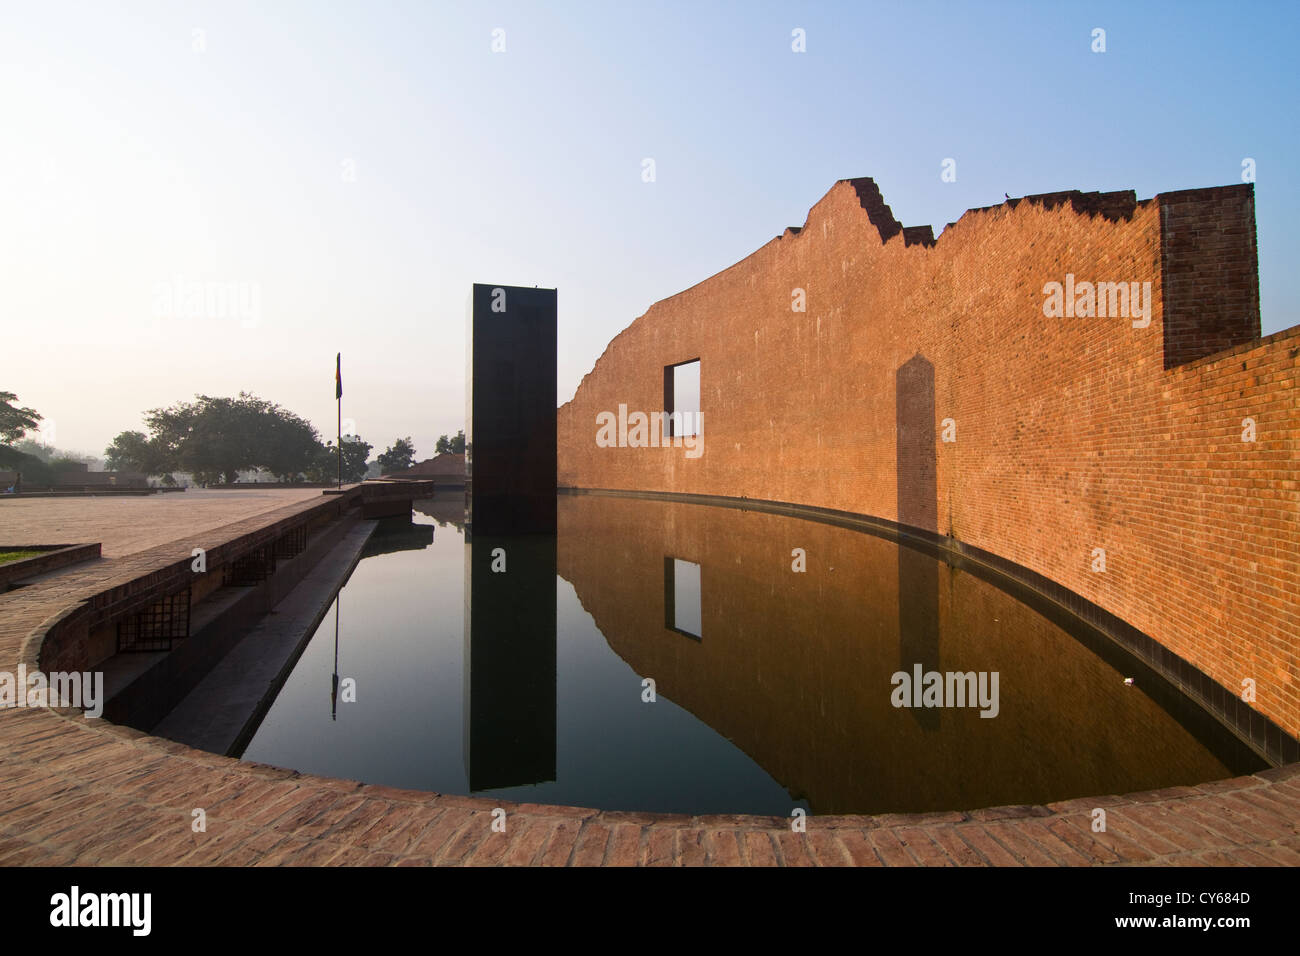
x=1209, y=267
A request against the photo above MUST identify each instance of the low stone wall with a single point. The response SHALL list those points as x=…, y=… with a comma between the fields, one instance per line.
x=155, y=693
x=84, y=634
x=252, y=485
x=84, y=492
x=56, y=556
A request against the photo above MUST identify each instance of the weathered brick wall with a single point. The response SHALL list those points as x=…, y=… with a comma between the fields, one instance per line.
x=1072, y=433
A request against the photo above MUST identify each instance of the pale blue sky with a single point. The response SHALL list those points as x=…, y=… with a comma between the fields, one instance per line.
x=357, y=166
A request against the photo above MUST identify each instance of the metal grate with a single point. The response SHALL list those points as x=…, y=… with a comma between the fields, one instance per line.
x=252, y=569
x=292, y=543
x=155, y=627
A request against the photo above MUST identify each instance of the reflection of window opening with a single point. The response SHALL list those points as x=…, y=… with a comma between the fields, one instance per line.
x=683, y=610
x=682, y=398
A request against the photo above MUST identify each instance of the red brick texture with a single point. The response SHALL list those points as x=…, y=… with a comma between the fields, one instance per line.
x=1072, y=434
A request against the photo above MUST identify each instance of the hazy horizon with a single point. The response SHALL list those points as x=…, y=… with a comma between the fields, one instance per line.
x=334, y=177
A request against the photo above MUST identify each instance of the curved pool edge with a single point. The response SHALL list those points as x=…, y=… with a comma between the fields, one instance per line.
x=77, y=791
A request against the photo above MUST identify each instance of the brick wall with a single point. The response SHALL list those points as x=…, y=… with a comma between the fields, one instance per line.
x=1072, y=433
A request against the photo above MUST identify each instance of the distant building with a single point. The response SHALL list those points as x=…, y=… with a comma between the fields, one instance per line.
x=446, y=470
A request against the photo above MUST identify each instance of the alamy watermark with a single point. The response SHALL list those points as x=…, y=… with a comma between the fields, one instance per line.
x=191, y=299
x=651, y=430
x=1086, y=300
x=57, y=689
x=76, y=908
x=953, y=689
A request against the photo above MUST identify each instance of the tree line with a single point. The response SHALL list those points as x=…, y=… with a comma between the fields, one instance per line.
x=215, y=438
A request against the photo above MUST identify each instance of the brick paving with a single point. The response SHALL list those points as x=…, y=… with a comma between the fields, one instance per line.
x=86, y=792
x=131, y=524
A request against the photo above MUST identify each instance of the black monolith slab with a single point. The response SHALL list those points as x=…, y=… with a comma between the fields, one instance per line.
x=510, y=443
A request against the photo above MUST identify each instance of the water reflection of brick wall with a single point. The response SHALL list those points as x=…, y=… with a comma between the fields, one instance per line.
x=795, y=667
x=1072, y=434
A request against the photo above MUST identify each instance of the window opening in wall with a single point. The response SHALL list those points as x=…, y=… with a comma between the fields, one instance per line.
x=682, y=399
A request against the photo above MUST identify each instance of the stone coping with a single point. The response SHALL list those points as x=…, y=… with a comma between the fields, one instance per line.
x=75, y=791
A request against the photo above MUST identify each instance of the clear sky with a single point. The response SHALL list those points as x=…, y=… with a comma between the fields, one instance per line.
x=343, y=171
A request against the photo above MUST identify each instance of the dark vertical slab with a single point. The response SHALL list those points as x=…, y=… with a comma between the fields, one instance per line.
x=510, y=440
x=509, y=661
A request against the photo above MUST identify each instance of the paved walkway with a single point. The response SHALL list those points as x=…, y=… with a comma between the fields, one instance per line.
x=78, y=791
x=131, y=524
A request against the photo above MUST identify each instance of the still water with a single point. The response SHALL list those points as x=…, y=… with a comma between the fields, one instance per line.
x=684, y=658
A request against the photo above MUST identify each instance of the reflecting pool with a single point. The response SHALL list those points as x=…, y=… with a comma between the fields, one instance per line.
x=686, y=658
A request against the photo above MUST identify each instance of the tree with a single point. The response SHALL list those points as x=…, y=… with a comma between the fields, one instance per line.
x=399, y=456
x=136, y=451
x=294, y=446
x=216, y=438
x=325, y=465
x=455, y=446
x=34, y=448
x=49, y=453
x=36, y=473
x=15, y=422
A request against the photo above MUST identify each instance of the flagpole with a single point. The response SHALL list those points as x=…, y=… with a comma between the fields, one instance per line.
x=338, y=378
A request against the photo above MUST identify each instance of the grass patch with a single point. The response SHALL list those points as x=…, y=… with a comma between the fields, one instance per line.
x=8, y=556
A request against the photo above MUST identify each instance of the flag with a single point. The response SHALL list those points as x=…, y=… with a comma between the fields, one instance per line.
x=338, y=376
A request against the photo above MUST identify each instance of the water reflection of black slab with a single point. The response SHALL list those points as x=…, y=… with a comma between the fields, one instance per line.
x=918, y=507
x=509, y=661
x=510, y=437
